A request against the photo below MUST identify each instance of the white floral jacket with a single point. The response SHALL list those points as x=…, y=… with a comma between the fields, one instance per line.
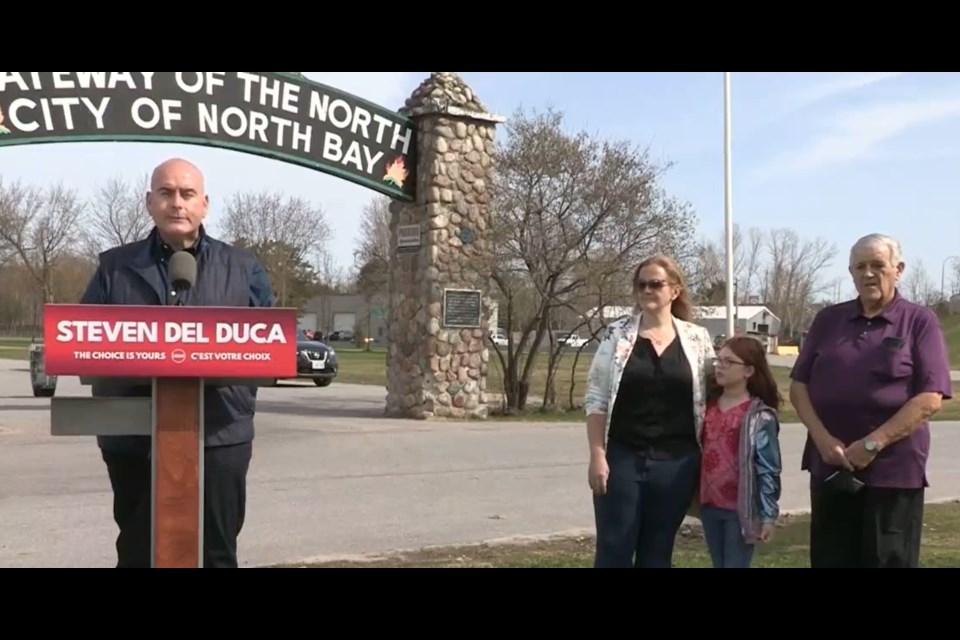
x=603, y=381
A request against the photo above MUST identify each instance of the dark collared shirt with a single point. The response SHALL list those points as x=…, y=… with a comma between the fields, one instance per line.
x=861, y=371
x=162, y=253
x=261, y=291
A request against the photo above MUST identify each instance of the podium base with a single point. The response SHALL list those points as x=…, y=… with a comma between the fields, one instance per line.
x=177, y=468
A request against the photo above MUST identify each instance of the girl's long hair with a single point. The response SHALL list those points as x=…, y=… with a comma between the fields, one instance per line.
x=761, y=384
x=681, y=308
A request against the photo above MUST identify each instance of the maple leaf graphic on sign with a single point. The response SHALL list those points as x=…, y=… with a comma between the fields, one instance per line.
x=396, y=173
x=3, y=130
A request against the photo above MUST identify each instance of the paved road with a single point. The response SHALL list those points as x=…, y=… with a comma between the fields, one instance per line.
x=330, y=478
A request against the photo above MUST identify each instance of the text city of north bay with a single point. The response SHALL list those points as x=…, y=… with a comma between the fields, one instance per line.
x=368, y=132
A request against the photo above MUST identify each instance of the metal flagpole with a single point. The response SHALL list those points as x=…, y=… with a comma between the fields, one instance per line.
x=728, y=208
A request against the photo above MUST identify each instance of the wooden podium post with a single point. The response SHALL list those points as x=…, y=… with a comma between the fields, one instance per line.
x=177, y=469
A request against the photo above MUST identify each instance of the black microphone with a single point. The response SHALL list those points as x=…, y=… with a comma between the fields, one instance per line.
x=183, y=274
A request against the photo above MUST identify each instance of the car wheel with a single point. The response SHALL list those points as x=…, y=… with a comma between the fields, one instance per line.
x=322, y=383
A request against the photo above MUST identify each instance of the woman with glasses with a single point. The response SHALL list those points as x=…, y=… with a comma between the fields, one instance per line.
x=645, y=403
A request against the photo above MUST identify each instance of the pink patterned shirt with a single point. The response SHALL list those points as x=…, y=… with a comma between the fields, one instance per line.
x=719, y=471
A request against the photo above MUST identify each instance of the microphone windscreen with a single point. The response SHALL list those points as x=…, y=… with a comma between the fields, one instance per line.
x=183, y=269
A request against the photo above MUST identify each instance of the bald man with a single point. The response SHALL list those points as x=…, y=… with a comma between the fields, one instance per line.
x=136, y=274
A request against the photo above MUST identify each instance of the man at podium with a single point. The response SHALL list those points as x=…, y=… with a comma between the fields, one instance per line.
x=138, y=274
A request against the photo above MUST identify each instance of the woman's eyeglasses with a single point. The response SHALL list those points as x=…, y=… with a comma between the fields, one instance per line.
x=653, y=285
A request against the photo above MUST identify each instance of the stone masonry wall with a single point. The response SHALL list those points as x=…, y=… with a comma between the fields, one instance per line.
x=432, y=370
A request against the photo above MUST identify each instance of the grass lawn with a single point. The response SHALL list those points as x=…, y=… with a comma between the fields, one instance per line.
x=941, y=549
x=14, y=349
x=951, y=331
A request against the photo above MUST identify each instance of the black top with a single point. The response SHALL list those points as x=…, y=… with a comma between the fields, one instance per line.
x=654, y=409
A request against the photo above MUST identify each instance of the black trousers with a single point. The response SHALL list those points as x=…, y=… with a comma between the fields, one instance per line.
x=873, y=528
x=225, y=500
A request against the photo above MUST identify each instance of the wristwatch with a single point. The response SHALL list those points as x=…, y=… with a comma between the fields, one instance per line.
x=871, y=446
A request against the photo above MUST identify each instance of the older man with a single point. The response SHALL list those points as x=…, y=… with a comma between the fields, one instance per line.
x=871, y=373
x=136, y=274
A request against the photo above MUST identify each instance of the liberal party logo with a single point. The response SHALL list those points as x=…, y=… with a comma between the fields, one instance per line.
x=3, y=130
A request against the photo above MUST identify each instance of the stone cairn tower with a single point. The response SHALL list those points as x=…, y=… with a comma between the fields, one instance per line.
x=438, y=320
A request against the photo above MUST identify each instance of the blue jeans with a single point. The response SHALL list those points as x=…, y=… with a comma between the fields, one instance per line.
x=721, y=528
x=645, y=504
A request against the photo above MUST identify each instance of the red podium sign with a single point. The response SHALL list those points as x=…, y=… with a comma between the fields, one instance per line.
x=169, y=342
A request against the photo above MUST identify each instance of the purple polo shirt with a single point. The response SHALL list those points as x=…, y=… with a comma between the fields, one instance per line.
x=860, y=371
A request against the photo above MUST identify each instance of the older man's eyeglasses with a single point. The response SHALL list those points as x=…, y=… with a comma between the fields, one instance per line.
x=653, y=285
x=726, y=362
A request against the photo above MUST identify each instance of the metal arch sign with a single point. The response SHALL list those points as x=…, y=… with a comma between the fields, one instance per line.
x=279, y=115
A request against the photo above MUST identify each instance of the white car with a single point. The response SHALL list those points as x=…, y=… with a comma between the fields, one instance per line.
x=571, y=340
x=498, y=338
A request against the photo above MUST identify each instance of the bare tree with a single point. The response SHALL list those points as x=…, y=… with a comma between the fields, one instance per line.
x=7, y=254
x=288, y=234
x=606, y=291
x=563, y=202
x=117, y=214
x=750, y=274
x=793, y=279
x=951, y=273
x=372, y=256
x=333, y=277
x=38, y=227
x=780, y=269
x=707, y=272
x=918, y=286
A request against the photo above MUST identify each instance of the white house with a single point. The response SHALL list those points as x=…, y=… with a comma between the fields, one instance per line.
x=749, y=319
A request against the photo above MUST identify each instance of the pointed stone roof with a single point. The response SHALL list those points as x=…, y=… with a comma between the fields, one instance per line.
x=445, y=92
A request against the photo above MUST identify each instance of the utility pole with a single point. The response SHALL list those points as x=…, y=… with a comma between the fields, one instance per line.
x=728, y=208
x=736, y=305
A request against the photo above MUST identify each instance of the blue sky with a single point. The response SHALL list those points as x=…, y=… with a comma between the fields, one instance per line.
x=832, y=154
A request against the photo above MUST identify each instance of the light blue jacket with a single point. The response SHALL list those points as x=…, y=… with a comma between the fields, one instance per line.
x=758, y=500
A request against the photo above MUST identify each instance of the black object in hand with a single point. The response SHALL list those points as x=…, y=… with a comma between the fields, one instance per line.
x=844, y=481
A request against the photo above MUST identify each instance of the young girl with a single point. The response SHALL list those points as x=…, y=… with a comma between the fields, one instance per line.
x=740, y=473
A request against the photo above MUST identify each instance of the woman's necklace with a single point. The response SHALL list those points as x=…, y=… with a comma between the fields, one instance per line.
x=656, y=339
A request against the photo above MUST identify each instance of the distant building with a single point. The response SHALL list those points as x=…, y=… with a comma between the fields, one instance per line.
x=334, y=312
x=750, y=319
x=954, y=307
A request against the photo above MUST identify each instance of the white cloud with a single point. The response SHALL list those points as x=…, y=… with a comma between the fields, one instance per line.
x=854, y=134
x=836, y=86
x=785, y=95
